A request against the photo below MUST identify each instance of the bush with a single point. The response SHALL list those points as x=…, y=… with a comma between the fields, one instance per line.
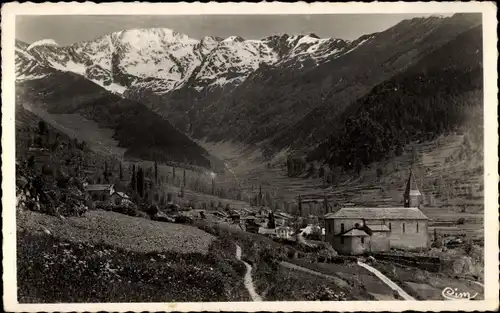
x=324, y=293
x=125, y=210
x=379, y=172
x=461, y=221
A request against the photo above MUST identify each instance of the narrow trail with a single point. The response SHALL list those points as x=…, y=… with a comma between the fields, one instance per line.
x=387, y=281
x=248, y=277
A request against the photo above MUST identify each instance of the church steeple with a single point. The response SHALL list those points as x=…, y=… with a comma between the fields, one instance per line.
x=412, y=196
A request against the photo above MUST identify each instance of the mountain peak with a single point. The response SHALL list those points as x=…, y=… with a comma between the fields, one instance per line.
x=234, y=39
x=153, y=34
x=43, y=42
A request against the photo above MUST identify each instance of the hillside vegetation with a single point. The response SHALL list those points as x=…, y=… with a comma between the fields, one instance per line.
x=433, y=97
x=143, y=133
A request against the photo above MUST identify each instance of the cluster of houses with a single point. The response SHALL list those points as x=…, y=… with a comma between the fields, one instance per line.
x=350, y=230
x=357, y=230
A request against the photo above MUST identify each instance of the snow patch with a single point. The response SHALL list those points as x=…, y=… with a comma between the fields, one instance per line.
x=70, y=66
x=25, y=54
x=43, y=42
x=113, y=87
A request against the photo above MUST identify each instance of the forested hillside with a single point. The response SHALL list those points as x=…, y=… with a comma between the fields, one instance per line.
x=143, y=133
x=433, y=97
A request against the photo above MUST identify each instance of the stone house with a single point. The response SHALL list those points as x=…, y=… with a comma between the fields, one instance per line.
x=100, y=192
x=284, y=232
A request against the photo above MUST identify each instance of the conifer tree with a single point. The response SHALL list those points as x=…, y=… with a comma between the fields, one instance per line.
x=156, y=172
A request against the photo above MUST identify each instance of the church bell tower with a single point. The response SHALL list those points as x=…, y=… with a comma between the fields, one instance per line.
x=412, y=196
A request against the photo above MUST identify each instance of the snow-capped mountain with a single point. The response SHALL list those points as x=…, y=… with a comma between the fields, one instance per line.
x=160, y=60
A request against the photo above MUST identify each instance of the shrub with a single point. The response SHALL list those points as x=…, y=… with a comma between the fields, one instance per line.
x=379, y=172
x=461, y=221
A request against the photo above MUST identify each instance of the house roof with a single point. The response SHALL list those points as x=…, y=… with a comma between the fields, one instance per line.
x=122, y=194
x=284, y=215
x=265, y=231
x=377, y=228
x=400, y=213
x=98, y=187
x=355, y=233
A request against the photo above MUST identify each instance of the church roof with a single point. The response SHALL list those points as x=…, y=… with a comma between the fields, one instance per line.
x=400, y=213
x=378, y=228
x=355, y=233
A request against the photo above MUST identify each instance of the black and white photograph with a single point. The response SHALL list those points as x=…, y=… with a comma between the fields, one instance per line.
x=251, y=158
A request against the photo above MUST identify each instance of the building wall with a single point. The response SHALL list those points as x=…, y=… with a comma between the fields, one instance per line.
x=380, y=242
x=407, y=239
x=351, y=245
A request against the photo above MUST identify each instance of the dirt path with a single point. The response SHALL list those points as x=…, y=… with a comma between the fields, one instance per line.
x=387, y=281
x=248, y=277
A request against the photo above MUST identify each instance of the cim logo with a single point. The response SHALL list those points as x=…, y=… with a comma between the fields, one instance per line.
x=453, y=294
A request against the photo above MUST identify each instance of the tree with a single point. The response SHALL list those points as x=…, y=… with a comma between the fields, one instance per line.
x=121, y=172
x=271, y=222
x=133, y=182
x=105, y=173
x=140, y=182
x=321, y=172
x=156, y=172
x=31, y=162
x=42, y=127
x=329, y=178
x=379, y=172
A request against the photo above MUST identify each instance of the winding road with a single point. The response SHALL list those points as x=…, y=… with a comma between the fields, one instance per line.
x=387, y=281
x=248, y=281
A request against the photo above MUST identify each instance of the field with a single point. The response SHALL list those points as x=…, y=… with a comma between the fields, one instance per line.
x=119, y=230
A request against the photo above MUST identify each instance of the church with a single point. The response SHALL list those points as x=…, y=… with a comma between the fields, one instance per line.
x=358, y=230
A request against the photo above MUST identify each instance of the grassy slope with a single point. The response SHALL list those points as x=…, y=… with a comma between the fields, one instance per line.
x=121, y=231
x=143, y=133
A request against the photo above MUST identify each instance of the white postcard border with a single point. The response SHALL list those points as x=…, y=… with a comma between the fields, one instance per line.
x=488, y=9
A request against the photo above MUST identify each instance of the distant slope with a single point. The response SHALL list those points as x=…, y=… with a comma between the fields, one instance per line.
x=144, y=134
x=432, y=97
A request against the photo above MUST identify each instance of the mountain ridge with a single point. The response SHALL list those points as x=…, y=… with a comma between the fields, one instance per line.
x=280, y=93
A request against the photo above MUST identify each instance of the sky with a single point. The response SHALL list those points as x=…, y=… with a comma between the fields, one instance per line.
x=68, y=29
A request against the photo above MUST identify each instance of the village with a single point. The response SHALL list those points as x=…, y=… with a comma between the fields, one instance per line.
x=350, y=229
